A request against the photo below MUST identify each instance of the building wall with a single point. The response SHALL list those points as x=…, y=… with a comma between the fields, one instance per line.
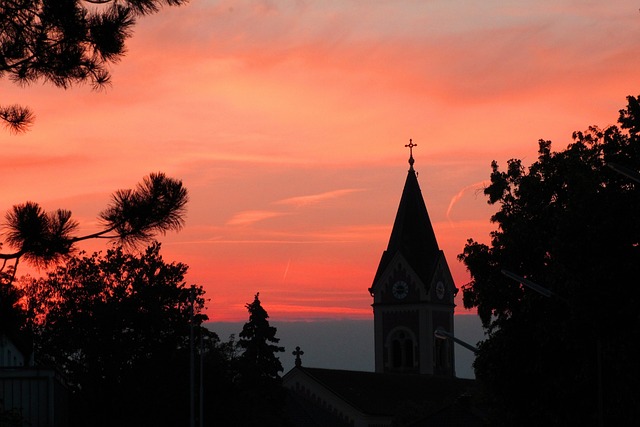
x=39, y=395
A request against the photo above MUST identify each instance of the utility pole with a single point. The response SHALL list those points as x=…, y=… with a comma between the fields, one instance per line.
x=192, y=414
x=201, y=379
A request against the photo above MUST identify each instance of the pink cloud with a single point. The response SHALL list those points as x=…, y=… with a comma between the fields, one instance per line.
x=313, y=199
x=475, y=187
x=260, y=106
x=251, y=217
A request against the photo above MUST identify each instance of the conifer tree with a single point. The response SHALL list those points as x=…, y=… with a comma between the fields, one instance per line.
x=64, y=42
x=134, y=216
x=258, y=340
x=261, y=395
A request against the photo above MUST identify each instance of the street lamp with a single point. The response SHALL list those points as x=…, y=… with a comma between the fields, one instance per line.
x=629, y=173
x=441, y=334
x=531, y=285
x=192, y=371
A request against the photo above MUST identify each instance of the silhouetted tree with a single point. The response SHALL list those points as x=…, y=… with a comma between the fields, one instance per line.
x=258, y=341
x=117, y=325
x=64, y=42
x=259, y=368
x=134, y=216
x=222, y=399
x=157, y=205
x=570, y=224
x=12, y=312
x=14, y=317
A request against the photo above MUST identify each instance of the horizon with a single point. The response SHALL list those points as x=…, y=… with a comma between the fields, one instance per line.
x=351, y=342
x=287, y=122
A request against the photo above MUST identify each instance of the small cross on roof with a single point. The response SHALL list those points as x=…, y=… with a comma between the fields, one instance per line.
x=297, y=353
x=411, y=145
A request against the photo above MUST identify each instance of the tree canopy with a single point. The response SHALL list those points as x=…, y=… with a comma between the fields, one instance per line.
x=64, y=42
x=569, y=223
x=117, y=326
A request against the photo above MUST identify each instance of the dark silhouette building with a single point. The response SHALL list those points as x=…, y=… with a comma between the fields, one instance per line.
x=36, y=396
x=413, y=293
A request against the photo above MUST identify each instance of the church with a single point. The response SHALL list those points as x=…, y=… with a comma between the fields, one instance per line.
x=414, y=382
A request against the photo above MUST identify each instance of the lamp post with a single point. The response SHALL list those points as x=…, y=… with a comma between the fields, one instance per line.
x=629, y=173
x=532, y=285
x=192, y=378
x=441, y=334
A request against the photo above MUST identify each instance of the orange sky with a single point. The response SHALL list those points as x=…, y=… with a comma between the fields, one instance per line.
x=287, y=122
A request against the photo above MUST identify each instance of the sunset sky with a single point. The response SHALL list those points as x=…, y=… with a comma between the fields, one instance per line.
x=287, y=122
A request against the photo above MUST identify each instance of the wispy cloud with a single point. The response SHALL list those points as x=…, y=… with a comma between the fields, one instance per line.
x=251, y=217
x=251, y=102
x=476, y=186
x=316, y=198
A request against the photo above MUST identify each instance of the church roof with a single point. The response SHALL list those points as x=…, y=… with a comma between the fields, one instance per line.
x=412, y=233
x=387, y=393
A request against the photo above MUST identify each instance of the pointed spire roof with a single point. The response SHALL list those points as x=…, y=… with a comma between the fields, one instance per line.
x=412, y=233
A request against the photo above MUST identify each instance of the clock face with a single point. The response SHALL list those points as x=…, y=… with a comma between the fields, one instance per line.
x=400, y=289
x=440, y=290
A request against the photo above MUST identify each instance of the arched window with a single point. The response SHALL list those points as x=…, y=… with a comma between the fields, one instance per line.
x=401, y=346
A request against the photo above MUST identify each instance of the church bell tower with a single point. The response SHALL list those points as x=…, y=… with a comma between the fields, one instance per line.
x=413, y=292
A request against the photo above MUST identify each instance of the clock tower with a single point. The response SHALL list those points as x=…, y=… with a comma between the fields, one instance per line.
x=413, y=293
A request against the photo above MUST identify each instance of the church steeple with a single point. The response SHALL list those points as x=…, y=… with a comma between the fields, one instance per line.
x=412, y=234
x=413, y=292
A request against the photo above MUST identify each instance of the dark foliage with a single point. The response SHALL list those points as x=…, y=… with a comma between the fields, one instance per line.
x=117, y=326
x=43, y=238
x=134, y=216
x=155, y=206
x=569, y=223
x=12, y=313
x=64, y=42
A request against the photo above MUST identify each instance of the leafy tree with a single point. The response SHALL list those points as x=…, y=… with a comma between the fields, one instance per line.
x=64, y=42
x=134, y=216
x=261, y=391
x=570, y=224
x=117, y=325
x=157, y=205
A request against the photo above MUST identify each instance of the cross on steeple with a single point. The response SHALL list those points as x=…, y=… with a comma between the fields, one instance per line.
x=297, y=354
x=411, y=145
